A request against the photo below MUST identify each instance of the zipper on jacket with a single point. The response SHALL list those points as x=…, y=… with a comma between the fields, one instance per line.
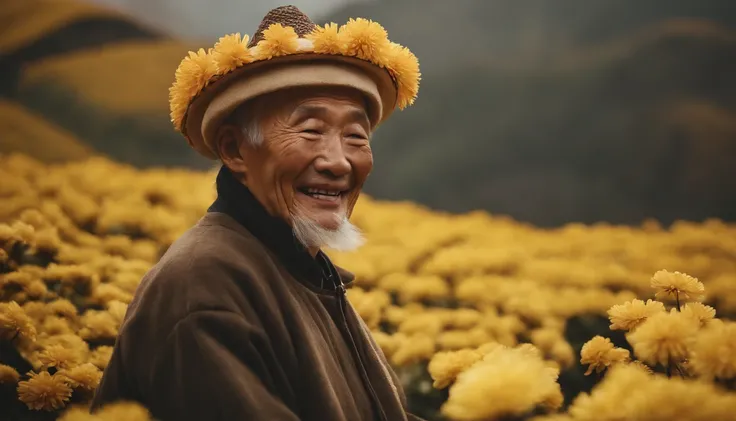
x=340, y=291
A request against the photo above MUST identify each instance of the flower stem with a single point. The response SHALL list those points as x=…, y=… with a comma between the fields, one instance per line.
x=677, y=299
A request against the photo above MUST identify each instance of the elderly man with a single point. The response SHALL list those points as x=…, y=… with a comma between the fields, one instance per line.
x=245, y=317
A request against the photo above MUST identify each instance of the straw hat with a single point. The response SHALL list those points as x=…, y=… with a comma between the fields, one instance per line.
x=289, y=50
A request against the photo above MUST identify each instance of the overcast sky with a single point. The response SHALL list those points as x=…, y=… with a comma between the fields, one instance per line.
x=210, y=19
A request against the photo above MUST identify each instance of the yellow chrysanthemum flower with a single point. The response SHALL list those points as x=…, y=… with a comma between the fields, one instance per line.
x=36, y=310
x=429, y=323
x=553, y=400
x=527, y=349
x=105, y=293
x=80, y=413
x=605, y=400
x=364, y=39
x=631, y=314
x=47, y=240
x=117, y=310
x=463, y=318
x=100, y=356
x=700, y=312
x=508, y=382
x=404, y=66
x=8, y=374
x=191, y=76
x=85, y=376
x=714, y=352
x=44, y=392
x=545, y=339
x=230, y=52
x=459, y=339
x=128, y=411
x=125, y=411
x=325, y=39
x=62, y=307
x=664, y=338
x=369, y=304
x=36, y=289
x=640, y=365
x=98, y=325
x=422, y=288
x=14, y=322
x=278, y=40
x=562, y=353
x=629, y=393
x=599, y=353
x=35, y=218
x=417, y=347
x=388, y=343
x=71, y=341
x=18, y=232
x=54, y=325
x=489, y=347
x=445, y=366
x=60, y=357
x=79, y=278
x=18, y=279
x=178, y=105
x=676, y=285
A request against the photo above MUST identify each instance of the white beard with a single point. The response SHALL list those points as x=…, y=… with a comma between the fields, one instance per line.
x=347, y=237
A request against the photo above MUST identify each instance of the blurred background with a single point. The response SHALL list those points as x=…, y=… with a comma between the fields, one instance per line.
x=546, y=111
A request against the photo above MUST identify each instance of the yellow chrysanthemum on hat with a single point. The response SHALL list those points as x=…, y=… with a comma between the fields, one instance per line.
x=326, y=39
x=231, y=52
x=278, y=40
x=364, y=39
x=193, y=74
x=404, y=67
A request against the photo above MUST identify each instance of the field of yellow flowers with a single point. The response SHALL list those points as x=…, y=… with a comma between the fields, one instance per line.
x=483, y=317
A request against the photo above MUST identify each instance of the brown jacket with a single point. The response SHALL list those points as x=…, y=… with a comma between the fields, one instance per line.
x=238, y=322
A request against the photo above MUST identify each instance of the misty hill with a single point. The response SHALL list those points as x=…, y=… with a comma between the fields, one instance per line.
x=580, y=111
x=550, y=112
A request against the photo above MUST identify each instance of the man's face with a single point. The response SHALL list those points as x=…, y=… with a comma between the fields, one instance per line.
x=315, y=155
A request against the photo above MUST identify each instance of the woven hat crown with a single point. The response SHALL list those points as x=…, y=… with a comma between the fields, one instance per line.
x=286, y=16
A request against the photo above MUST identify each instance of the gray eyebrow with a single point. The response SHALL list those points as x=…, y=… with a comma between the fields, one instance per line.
x=306, y=111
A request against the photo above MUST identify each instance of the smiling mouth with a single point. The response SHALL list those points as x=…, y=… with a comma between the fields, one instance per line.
x=322, y=194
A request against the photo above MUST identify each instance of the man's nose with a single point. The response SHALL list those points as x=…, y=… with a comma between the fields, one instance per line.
x=332, y=159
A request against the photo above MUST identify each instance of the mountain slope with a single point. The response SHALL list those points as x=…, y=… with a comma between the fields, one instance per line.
x=551, y=112
x=608, y=123
x=27, y=133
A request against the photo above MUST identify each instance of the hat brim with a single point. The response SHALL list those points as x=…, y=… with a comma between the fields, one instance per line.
x=218, y=100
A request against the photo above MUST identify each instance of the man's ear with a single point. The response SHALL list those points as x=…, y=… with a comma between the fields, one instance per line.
x=227, y=146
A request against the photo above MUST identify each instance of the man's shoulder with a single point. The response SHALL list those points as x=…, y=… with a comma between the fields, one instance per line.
x=214, y=243
x=210, y=266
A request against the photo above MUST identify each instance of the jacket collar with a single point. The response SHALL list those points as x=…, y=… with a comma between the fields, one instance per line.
x=238, y=202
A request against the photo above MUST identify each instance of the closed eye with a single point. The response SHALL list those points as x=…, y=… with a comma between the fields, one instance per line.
x=311, y=131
